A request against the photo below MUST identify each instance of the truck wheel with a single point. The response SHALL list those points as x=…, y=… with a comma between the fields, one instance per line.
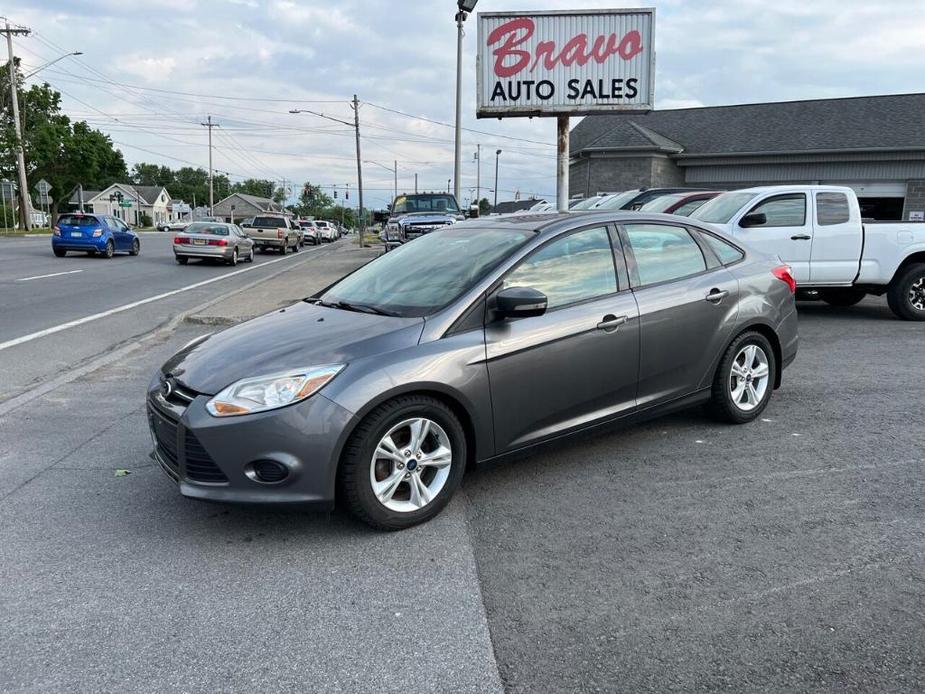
x=906, y=294
x=842, y=297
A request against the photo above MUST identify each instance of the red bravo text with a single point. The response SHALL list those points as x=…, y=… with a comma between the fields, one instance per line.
x=511, y=60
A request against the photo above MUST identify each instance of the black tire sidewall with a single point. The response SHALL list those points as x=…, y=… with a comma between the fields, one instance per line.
x=360, y=498
x=110, y=250
x=722, y=404
x=898, y=294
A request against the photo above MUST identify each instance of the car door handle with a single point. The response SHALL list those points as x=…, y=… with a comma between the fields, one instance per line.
x=611, y=322
x=715, y=296
x=800, y=237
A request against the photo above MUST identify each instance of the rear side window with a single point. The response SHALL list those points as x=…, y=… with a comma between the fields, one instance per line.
x=832, y=208
x=78, y=220
x=726, y=252
x=688, y=207
x=574, y=268
x=664, y=253
x=782, y=210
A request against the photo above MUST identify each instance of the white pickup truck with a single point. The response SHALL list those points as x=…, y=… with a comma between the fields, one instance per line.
x=835, y=256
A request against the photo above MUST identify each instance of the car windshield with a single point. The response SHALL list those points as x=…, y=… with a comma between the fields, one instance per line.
x=421, y=277
x=206, y=228
x=616, y=202
x=586, y=204
x=77, y=220
x=662, y=203
x=431, y=202
x=722, y=208
x=268, y=222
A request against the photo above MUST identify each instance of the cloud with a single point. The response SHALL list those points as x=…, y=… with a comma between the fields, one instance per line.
x=248, y=62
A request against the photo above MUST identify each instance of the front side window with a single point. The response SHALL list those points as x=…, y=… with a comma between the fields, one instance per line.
x=664, y=253
x=832, y=208
x=575, y=268
x=782, y=210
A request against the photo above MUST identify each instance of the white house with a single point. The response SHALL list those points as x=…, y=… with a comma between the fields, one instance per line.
x=127, y=202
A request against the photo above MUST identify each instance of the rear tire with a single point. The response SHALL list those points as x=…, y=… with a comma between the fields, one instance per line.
x=60, y=252
x=743, y=384
x=182, y=260
x=906, y=293
x=843, y=297
x=234, y=258
x=358, y=468
x=110, y=250
x=136, y=248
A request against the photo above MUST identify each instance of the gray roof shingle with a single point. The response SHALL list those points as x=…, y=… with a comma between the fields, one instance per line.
x=871, y=122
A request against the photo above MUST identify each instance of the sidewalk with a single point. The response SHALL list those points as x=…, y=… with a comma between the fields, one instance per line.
x=301, y=278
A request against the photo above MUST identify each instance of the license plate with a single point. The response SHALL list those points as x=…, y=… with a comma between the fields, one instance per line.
x=76, y=234
x=199, y=242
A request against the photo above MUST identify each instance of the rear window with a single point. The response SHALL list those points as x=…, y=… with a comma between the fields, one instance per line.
x=78, y=220
x=206, y=228
x=268, y=222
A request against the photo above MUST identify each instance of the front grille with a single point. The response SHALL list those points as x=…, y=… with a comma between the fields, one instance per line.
x=199, y=465
x=179, y=394
x=165, y=437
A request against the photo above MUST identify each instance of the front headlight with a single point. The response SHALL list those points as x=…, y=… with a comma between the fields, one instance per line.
x=250, y=395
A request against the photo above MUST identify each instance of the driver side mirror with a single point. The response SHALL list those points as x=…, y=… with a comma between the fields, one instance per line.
x=520, y=302
x=755, y=219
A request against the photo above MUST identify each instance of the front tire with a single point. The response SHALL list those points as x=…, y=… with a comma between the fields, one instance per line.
x=744, y=380
x=250, y=256
x=403, y=463
x=906, y=294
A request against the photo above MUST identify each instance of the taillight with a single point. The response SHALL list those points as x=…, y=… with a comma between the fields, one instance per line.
x=785, y=274
x=56, y=230
x=180, y=239
x=280, y=234
x=218, y=242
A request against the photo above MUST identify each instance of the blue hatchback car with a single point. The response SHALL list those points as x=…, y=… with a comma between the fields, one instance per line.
x=93, y=234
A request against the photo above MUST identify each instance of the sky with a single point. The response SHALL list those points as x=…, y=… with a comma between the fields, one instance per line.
x=152, y=71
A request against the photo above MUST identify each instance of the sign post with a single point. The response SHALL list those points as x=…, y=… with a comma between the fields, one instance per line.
x=565, y=63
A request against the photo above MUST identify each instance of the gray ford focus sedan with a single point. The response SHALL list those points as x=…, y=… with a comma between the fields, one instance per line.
x=472, y=343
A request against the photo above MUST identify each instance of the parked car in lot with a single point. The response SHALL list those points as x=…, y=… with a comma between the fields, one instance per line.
x=634, y=199
x=681, y=204
x=474, y=342
x=818, y=231
x=213, y=241
x=413, y=215
x=274, y=231
x=93, y=234
x=585, y=203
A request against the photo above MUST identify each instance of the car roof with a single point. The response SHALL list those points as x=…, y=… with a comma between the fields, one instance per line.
x=549, y=223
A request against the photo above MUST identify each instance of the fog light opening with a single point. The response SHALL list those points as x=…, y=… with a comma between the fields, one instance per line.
x=267, y=471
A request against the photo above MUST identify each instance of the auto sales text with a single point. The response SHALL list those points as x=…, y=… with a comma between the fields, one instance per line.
x=576, y=89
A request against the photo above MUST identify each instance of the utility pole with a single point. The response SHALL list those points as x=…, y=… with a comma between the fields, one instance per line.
x=497, y=156
x=395, y=162
x=356, y=125
x=209, y=124
x=415, y=184
x=478, y=174
x=25, y=212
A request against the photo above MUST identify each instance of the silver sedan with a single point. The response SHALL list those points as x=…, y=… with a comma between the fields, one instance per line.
x=213, y=240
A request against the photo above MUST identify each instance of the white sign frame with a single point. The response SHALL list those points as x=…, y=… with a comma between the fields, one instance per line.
x=485, y=59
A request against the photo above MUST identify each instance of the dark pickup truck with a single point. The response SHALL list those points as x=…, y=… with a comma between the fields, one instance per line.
x=416, y=214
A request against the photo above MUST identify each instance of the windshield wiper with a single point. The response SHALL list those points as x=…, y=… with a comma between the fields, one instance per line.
x=347, y=306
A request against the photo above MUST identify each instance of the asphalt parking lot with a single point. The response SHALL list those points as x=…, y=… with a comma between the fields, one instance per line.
x=679, y=555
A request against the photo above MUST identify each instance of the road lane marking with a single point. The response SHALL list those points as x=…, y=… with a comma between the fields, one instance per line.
x=136, y=304
x=53, y=274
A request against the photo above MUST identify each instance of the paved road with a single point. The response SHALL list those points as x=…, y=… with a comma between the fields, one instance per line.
x=679, y=555
x=34, y=298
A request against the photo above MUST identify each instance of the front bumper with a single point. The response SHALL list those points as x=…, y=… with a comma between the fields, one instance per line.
x=208, y=456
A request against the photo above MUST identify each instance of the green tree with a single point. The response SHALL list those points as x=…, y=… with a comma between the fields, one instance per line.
x=260, y=187
x=62, y=152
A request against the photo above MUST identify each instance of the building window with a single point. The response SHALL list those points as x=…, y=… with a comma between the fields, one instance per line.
x=832, y=208
x=782, y=210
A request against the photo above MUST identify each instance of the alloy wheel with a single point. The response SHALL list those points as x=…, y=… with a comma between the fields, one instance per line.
x=917, y=294
x=411, y=465
x=749, y=377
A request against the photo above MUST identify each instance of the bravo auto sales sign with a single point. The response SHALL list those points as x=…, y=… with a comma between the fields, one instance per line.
x=573, y=62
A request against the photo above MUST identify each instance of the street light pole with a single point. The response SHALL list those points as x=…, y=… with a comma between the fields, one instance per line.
x=50, y=63
x=25, y=212
x=497, y=156
x=464, y=7
x=478, y=174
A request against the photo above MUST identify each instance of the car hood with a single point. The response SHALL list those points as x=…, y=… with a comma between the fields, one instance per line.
x=298, y=336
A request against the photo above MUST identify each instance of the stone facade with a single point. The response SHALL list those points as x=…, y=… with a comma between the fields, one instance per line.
x=915, y=198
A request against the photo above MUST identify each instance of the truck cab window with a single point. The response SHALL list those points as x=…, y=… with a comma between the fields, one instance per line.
x=782, y=210
x=832, y=208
